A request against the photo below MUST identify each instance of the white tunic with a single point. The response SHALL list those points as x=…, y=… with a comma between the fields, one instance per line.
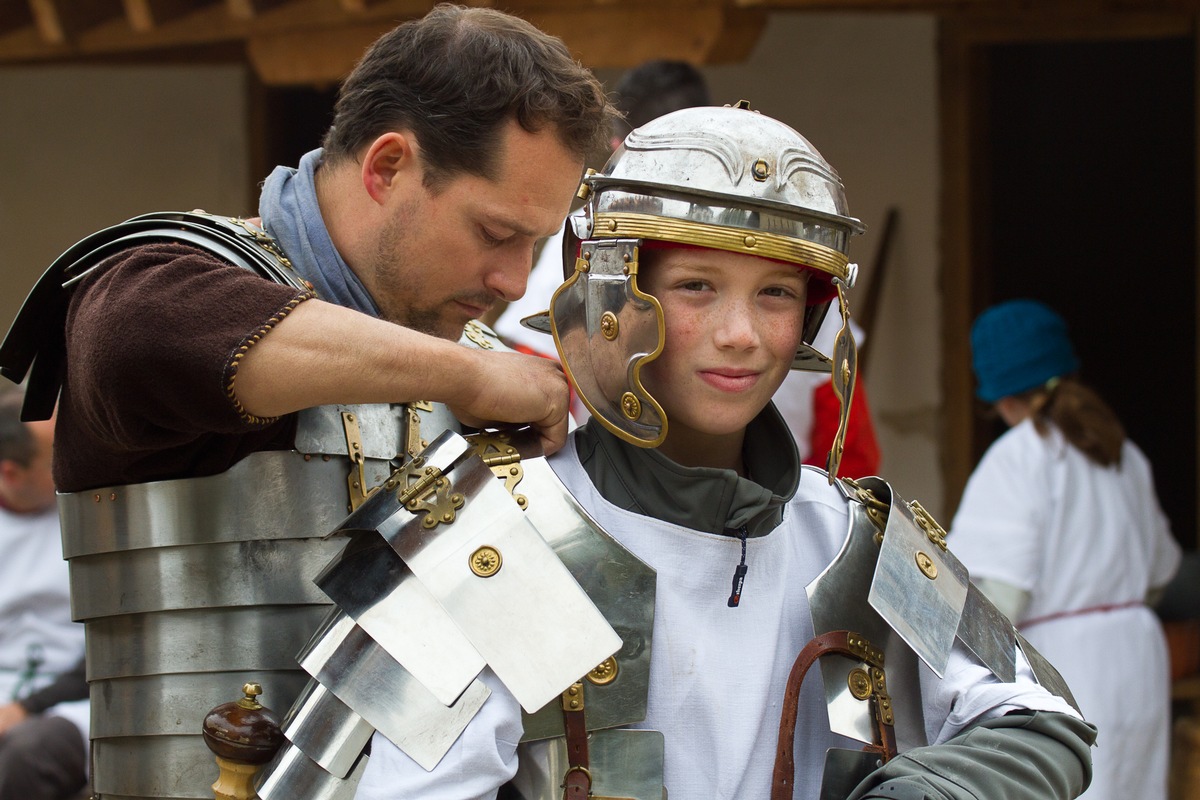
x=38, y=640
x=717, y=673
x=1089, y=541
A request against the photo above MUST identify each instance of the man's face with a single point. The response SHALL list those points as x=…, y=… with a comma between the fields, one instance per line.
x=30, y=487
x=446, y=255
x=733, y=323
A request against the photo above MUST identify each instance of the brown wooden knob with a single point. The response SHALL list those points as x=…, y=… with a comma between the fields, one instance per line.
x=243, y=731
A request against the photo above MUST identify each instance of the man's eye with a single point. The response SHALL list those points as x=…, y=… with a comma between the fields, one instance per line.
x=488, y=238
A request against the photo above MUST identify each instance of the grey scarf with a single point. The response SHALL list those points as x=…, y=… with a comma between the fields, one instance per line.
x=290, y=214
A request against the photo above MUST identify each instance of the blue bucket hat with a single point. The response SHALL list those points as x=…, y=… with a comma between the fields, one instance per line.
x=1018, y=345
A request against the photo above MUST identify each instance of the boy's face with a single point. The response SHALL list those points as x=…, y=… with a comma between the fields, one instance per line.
x=733, y=323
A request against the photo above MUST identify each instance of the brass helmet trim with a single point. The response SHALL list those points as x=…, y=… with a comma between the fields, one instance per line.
x=736, y=240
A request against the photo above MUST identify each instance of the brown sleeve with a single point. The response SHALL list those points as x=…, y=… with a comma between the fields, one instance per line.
x=153, y=337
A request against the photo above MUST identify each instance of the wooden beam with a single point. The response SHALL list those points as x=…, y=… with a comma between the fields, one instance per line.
x=312, y=57
x=624, y=36
x=249, y=9
x=14, y=14
x=59, y=21
x=146, y=15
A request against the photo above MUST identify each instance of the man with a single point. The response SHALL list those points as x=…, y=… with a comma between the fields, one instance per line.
x=458, y=142
x=42, y=740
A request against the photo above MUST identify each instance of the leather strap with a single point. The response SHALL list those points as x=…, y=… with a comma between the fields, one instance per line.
x=833, y=642
x=577, y=783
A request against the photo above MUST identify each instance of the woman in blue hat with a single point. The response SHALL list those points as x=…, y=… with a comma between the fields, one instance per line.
x=1060, y=526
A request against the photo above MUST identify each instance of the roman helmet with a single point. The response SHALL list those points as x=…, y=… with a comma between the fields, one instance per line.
x=726, y=178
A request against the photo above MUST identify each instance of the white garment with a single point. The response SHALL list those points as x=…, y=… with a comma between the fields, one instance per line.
x=717, y=673
x=1039, y=516
x=38, y=640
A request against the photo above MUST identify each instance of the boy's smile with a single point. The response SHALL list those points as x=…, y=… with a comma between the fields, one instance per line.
x=733, y=323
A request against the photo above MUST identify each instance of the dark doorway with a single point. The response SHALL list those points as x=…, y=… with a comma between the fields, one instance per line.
x=286, y=122
x=1091, y=208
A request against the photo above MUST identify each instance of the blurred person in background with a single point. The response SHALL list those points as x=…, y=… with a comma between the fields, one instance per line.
x=1061, y=528
x=44, y=716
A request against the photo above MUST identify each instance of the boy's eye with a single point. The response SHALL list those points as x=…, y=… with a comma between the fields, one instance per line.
x=693, y=286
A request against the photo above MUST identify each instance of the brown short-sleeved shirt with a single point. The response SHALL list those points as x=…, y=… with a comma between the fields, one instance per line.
x=152, y=337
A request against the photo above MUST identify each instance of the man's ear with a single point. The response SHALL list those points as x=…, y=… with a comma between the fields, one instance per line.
x=388, y=159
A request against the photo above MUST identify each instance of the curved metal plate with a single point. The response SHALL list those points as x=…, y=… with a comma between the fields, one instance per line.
x=268, y=495
x=170, y=705
x=321, y=431
x=244, y=638
x=134, y=768
x=620, y=584
x=562, y=634
x=989, y=635
x=924, y=612
x=293, y=776
x=326, y=730
x=276, y=572
x=362, y=675
x=849, y=575
x=374, y=587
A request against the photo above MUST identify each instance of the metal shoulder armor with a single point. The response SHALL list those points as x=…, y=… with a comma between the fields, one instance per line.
x=919, y=601
x=470, y=555
x=35, y=339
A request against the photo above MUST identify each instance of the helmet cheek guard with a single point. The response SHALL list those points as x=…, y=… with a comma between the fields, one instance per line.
x=723, y=178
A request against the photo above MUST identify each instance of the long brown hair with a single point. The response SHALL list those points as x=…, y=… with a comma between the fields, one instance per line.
x=1084, y=418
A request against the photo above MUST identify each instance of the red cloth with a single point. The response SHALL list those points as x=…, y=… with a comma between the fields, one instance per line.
x=860, y=457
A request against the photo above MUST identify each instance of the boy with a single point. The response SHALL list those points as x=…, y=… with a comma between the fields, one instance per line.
x=714, y=241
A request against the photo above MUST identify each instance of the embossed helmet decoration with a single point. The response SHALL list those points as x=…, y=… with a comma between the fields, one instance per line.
x=724, y=178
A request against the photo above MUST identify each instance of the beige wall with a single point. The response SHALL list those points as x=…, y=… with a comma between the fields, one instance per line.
x=83, y=147
x=86, y=147
x=863, y=89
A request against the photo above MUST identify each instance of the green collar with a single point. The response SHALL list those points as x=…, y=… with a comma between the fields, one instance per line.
x=701, y=498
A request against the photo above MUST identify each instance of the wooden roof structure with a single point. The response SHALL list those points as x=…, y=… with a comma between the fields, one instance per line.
x=316, y=42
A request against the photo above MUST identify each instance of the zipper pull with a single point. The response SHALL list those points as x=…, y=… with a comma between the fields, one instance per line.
x=739, y=574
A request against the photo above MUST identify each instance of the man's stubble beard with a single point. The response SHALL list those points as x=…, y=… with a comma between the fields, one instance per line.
x=396, y=279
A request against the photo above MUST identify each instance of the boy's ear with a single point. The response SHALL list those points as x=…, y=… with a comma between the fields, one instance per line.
x=387, y=162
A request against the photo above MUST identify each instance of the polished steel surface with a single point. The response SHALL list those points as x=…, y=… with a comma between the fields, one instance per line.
x=249, y=573
x=191, y=640
x=326, y=729
x=381, y=426
x=371, y=584
x=363, y=676
x=989, y=635
x=703, y=158
x=924, y=612
x=531, y=621
x=624, y=764
x=269, y=495
x=169, y=705
x=620, y=584
x=605, y=370
x=291, y=775
x=835, y=600
x=134, y=767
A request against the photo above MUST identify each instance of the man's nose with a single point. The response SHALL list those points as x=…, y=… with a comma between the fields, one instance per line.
x=509, y=274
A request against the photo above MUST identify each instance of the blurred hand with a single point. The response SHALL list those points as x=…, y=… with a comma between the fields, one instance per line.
x=11, y=715
x=514, y=388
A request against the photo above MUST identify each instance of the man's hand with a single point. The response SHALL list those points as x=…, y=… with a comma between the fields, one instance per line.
x=11, y=715
x=515, y=388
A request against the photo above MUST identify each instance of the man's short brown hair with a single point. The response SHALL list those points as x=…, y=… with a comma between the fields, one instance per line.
x=454, y=78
